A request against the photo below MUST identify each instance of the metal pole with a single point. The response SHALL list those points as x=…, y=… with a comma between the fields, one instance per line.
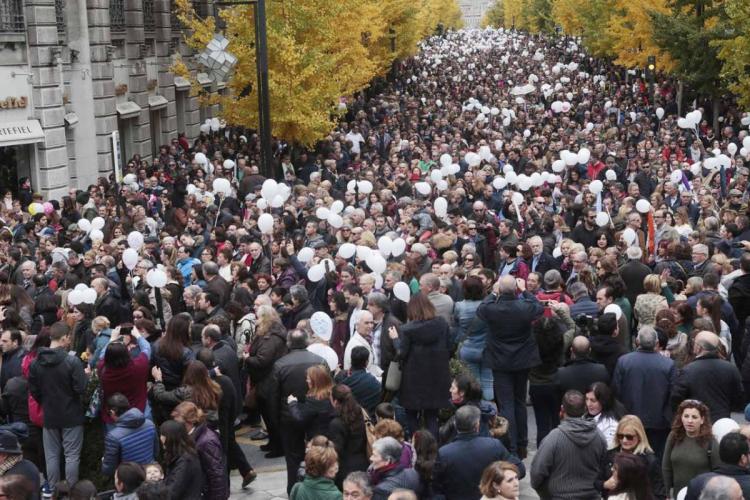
x=264, y=112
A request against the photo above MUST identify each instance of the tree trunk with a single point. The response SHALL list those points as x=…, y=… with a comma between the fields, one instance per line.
x=716, y=108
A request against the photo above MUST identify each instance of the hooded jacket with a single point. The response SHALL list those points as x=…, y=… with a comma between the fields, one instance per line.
x=568, y=462
x=133, y=439
x=58, y=383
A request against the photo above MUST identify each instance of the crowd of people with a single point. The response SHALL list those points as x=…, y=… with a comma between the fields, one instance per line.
x=504, y=219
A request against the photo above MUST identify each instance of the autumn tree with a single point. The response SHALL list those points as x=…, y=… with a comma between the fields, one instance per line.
x=588, y=19
x=631, y=29
x=494, y=16
x=318, y=52
x=734, y=49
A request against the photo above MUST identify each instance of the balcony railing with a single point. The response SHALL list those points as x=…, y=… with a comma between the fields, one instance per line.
x=11, y=16
x=149, y=21
x=117, y=15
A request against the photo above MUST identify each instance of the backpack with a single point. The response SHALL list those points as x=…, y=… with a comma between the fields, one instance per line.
x=369, y=431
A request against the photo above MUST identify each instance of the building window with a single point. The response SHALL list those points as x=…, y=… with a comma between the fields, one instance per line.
x=60, y=15
x=201, y=8
x=11, y=16
x=117, y=15
x=149, y=21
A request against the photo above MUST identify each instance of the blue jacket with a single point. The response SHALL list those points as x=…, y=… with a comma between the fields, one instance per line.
x=510, y=344
x=460, y=465
x=101, y=341
x=133, y=439
x=472, y=333
x=186, y=268
x=642, y=381
x=584, y=306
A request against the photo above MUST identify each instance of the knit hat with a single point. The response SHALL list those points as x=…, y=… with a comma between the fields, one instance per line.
x=9, y=443
x=321, y=325
x=419, y=248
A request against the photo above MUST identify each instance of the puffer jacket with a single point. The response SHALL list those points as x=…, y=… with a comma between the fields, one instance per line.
x=185, y=478
x=264, y=351
x=133, y=439
x=171, y=370
x=212, y=462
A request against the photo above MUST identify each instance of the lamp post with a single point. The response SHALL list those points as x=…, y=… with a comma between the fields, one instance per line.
x=651, y=73
x=261, y=63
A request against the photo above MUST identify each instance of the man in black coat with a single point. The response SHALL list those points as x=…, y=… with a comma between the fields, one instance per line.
x=106, y=304
x=541, y=262
x=511, y=351
x=605, y=347
x=739, y=293
x=301, y=306
x=461, y=462
x=581, y=371
x=225, y=357
x=733, y=451
x=215, y=283
x=710, y=379
x=58, y=383
x=13, y=463
x=13, y=354
x=289, y=378
x=633, y=273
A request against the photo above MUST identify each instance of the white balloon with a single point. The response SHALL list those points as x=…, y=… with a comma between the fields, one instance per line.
x=499, y=183
x=732, y=148
x=724, y=426
x=268, y=189
x=75, y=297
x=524, y=184
x=385, y=245
x=682, y=494
x=441, y=207
x=602, y=219
x=746, y=142
x=222, y=186
x=322, y=213
x=135, y=240
x=156, y=278
x=558, y=166
x=335, y=220
x=84, y=225
x=676, y=176
x=81, y=286
x=743, y=151
x=265, y=223
x=596, y=186
x=683, y=123
x=423, y=188
x=277, y=201
x=436, y=176
x=130, y=258
x=517, y=198
x=660, y=113
x=630, y=236
x=571, y=159
x=402, y=291
x=363, y=252
x=305, y=255
x=201, y=159
x=446, y=160
x=365, y=187
x=376, y=262
x=556, y=253
x=337, y=206
x=89, y=296
x=262, y=203
x=347, y=250
x=643, y=206
x=97, y=223
x=316, y=273
x=228, y=165
x=399, y=247
x=441, y=185
x=584, y=155
x=614, y=309
x=473, y=159
x=611, y=175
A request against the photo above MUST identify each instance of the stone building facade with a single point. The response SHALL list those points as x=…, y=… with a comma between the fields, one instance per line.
x=473, y=11
x=75, y=71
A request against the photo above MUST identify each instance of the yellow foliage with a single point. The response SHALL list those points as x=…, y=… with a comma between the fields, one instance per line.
x=318, y=52
x=734, y=52
x=632, y=33
x=494, y=16
x=513, y=13
x=567, y=14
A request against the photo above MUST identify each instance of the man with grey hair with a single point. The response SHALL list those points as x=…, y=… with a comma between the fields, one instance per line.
x=429, y=284
x=301, y=306
x=215, y=283
x=461, y=462
x=397, y=306
x=700, y=260
x=643, y=380
x=580, y=261
x=722, y=488
x=106, y=304
x=386, y=454
x=382, y=344
x=287, y=385
x=511, y=351
x=709, y=378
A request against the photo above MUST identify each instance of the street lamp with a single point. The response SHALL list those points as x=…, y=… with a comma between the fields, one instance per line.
x=392, y=36
x=218, y=60
x=651, y=73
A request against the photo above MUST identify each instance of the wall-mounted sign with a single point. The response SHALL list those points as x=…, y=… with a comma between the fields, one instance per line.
x=14, y=102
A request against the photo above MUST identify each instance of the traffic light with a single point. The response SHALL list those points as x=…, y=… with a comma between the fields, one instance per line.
x=652, y=63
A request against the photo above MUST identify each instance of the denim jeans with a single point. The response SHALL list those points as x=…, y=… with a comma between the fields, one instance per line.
x=545, y=399
x=57, y=442
x=510, y=394
x=484, y=375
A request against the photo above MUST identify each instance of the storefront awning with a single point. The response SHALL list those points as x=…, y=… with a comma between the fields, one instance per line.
x=128, y=109
x=23, y=132
x=156, y=102
x=181, y=83
x=71, y=119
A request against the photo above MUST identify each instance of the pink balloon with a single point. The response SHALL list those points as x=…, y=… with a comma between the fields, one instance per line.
x=48, y=208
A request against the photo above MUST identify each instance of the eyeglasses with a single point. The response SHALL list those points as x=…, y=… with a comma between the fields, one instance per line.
x=469, y=259
x=626, y=437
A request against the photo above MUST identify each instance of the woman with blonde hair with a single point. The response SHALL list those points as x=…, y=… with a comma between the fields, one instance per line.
x=630, y=437
x=652, y=301
x=100, y=327
x=500, y=481
x=267, y=345
x=315, y=412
